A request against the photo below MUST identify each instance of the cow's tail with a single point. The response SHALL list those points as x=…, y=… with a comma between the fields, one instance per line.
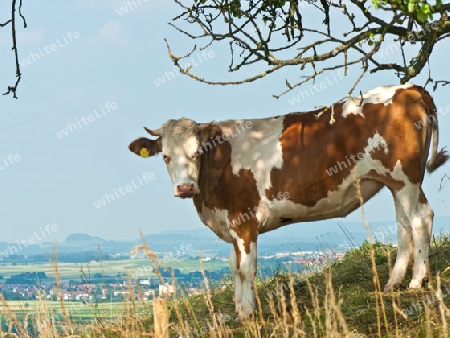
x=438, y=158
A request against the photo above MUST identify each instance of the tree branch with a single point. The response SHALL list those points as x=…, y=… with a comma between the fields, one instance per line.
x=274, y=34
x=12, y=22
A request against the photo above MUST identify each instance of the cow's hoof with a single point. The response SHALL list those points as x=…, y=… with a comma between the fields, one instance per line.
x=415, y=284
x=242, y=317
x=389, y=287
x=394, y=287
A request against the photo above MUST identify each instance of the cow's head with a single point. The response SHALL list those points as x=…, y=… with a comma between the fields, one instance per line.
x=180, y=143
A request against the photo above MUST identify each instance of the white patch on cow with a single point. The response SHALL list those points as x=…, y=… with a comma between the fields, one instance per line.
x=421, y=216
x=399, y=175
x=257, y=148
x=374, y=144
x=217, y=220
x=180, y=143
x=338, y=203
x=382, y=94
x=263, y=211
x=182, y=171
x=421, y=229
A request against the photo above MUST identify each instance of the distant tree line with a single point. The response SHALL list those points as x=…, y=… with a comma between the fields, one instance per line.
x=26, y=278
x=65, y=257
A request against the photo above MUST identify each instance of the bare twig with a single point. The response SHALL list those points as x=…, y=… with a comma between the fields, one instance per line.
x=13, y=89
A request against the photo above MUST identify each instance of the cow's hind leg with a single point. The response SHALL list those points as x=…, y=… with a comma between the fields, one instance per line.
x=414, y=233
x=422, y=227
x=404, y=248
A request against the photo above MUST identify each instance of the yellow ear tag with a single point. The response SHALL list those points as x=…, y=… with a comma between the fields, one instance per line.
x=144, y=152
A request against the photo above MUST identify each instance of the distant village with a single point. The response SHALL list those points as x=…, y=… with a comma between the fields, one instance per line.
x=143, y=284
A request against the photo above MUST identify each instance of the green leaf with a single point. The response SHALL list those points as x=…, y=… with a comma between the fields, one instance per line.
x=421, y=16
x=411, y=6
x=425, y=8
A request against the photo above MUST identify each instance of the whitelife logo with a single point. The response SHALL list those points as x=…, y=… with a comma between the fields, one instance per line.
x=194, y=62
x=71, y=127
x=130, y=6
x=34, y=56
x=316, y=88
x=24, y=243
x=109, y=198
x=9, y=161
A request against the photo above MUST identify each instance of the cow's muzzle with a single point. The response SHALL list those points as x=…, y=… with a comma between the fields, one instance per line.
x=185, y=190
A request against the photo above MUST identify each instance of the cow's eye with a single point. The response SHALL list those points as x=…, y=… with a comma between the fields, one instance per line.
x=166, y=158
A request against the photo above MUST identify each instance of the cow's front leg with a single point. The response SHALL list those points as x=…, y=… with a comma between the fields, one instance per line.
x=243, y=267
x=236, y=281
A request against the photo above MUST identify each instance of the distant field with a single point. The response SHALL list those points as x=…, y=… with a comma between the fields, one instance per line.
x=77, y=311
x=69, y=271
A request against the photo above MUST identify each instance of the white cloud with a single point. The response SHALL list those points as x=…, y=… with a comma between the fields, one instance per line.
x=113, y=32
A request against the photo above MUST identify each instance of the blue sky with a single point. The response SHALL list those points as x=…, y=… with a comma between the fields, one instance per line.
x=111, y=64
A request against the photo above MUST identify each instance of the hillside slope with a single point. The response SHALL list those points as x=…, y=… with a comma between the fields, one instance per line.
x=340, y=301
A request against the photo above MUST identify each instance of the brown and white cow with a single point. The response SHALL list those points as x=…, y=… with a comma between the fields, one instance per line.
x=247, y=177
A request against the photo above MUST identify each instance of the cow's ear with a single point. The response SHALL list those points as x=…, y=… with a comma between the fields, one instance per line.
x=145, y=147
x=209, y=130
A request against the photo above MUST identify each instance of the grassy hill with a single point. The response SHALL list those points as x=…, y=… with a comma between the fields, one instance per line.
x=343, y=300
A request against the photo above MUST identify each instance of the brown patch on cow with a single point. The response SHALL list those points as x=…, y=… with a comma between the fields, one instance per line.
x=427, y=101
x=393, y=185
x=311, y=146
x=238, y=253
x=248, y=232
x=209, y=130
x=221, y=189
x=408, y=107
x=422, y=198
x=286, y=220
